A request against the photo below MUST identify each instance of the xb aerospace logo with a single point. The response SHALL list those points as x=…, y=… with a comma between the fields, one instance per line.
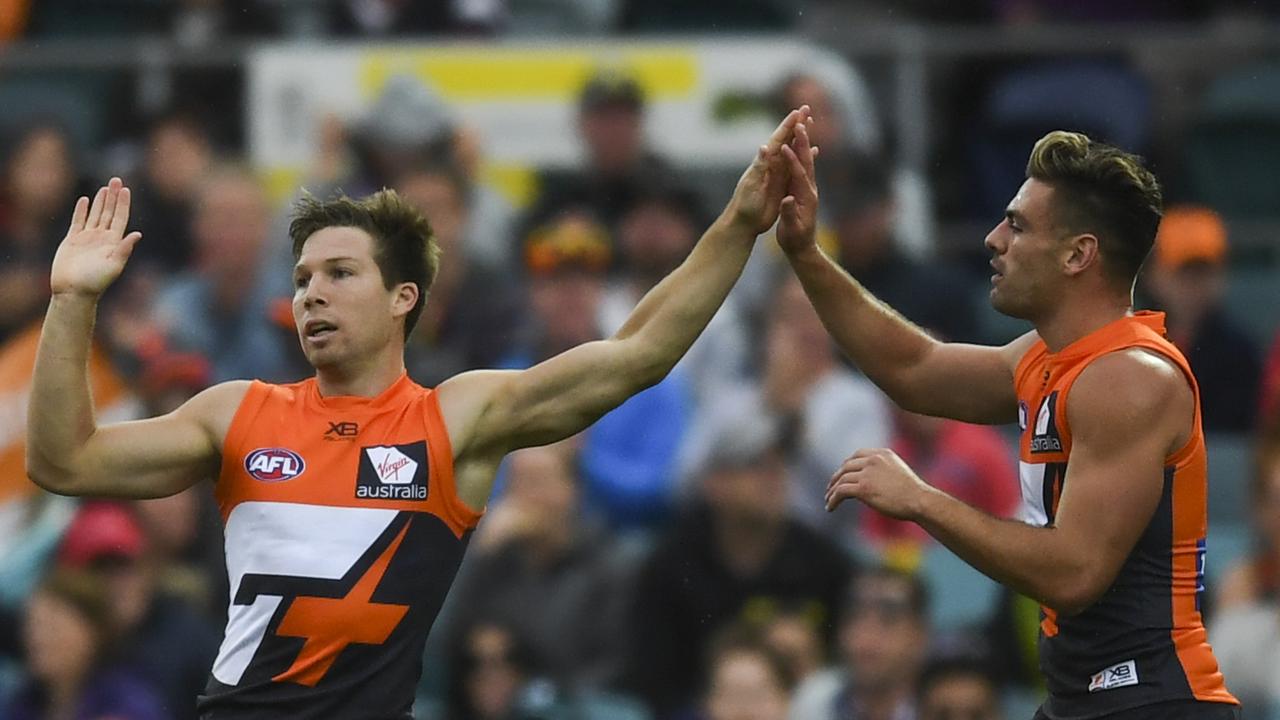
x=274, y=464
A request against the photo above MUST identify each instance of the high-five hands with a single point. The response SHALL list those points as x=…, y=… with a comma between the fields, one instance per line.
x=759, y=196
x=799, y=212
x=94, y=252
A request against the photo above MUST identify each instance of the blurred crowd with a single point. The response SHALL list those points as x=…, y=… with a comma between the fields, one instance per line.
x=674, y=560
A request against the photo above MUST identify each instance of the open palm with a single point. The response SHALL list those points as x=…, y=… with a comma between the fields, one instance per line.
x=94, y=252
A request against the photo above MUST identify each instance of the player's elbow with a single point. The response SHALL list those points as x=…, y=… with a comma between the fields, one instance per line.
x=55, y=478
x=1077, y=592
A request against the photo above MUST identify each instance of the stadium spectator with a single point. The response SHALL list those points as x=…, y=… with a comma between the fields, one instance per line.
x=656, y=230
x=473, y=315
x=628, y=457
x=40, y=179
x=220, y=309
x=748, y=680
x=616, y=158
x=884, y=636
x=409, y=125
x=177, y=155
x=1257, y=578
x=68, y=634
x=158, y=634
x=542, y=569
x=32, y=521
x=969, y=462
x=958, y=688
x=862, y=212
x=1269, y=413
x=847, y=122
x=795, y=635
x=822, y=408
x=1188, y=278
x=738, y=554
x=490, y=671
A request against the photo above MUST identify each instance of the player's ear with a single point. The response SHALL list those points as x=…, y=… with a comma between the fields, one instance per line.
x=1082, y=253
x=405, y=298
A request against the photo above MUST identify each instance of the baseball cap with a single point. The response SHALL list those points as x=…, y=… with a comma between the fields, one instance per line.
x=572, y=241
x=611, y=87
x=1189, y=234
x=101, y=529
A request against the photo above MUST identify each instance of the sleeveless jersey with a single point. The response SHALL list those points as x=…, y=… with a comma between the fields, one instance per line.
x=1143, y=641
x=344, y=531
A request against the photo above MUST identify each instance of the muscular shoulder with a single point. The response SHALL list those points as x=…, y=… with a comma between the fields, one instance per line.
x=1131, y=391
x=214, y=407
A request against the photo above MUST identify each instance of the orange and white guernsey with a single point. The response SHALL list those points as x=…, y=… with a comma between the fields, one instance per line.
x=1143, y=642
x=344, y=531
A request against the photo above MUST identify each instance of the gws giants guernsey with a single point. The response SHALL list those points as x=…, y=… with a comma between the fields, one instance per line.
x=1143, y=641
x=343, y=534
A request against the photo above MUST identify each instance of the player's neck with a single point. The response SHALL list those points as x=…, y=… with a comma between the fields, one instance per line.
x=368, y=380
x=1079, y=316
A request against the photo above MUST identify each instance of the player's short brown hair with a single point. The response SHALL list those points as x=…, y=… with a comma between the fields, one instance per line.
x=1102, y=190
x=404, y=245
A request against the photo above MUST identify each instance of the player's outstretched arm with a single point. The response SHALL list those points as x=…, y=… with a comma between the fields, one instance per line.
x=492, y=413
x=1128, y=411
x=967, y=382
x=67, y=452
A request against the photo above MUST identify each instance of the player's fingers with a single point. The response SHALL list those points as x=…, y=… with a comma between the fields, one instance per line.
x=802, y=147
x=120, y=218
x=95, y=210
x=109, y=207
x=79, y=215
x=796, y=167
x=125, y=248
x=782, y=134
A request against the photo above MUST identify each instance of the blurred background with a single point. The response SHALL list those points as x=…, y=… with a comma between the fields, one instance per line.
x=672, y=561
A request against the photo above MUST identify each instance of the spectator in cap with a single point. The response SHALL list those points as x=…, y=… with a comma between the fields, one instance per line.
x=628, y=456
x=1187, y=278
x=615, y=155
x=656, y=231
x=68, y=634
x=738, y=553
x=164, y=638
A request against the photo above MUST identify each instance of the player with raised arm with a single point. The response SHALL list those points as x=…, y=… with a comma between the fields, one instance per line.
x=348, y=497
x=1111, y=538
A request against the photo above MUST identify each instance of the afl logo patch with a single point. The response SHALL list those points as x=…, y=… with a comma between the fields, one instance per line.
x=274, y=464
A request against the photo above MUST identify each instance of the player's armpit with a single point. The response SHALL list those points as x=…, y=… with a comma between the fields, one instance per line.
x=155, y=457
x=1128, y=412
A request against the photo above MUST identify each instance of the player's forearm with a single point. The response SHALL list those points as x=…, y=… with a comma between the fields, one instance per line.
x=1035, y=561
x=883, y=344
x=60, y=414
x=672, y=315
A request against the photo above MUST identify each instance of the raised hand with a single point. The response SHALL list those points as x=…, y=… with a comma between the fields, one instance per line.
x=94, y=252
x=797, y=228
x=758, y=196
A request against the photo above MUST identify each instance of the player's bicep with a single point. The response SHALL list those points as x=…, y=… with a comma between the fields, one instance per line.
x=1125, y=413
x=159, y=456
x=499, y=411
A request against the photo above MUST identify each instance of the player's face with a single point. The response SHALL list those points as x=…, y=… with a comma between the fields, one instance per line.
x=1026, y=248
x=341, y=308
